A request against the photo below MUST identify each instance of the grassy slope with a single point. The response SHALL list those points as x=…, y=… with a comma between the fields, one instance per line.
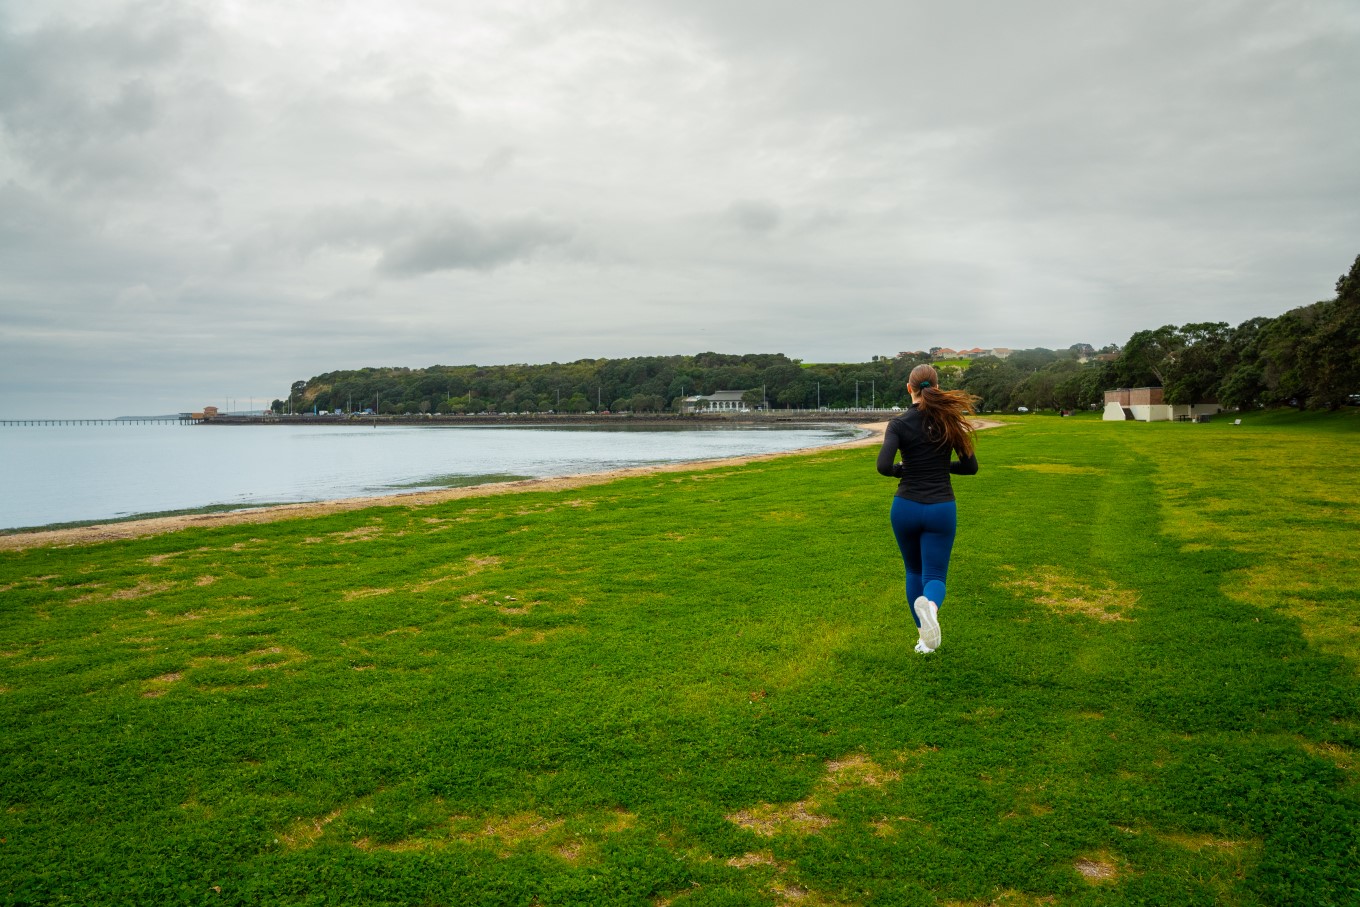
x=699, y=689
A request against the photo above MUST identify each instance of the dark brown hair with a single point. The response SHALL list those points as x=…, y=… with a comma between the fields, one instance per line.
x=946, y=412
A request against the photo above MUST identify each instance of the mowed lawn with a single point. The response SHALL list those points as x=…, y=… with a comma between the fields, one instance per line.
x=699, y=689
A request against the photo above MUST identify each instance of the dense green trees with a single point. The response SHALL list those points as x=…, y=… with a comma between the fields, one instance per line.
x=640, y=384
x=1308, y=357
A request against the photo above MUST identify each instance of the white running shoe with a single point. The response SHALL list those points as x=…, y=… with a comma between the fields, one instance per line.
x=926, y=611
x=922, y=648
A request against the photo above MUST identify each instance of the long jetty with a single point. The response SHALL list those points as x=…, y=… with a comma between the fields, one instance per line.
x=161, y=420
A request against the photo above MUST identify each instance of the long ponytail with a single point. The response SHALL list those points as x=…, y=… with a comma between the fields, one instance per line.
x=946, y=412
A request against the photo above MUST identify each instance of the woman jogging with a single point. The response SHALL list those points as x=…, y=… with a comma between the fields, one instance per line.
x=924, y=518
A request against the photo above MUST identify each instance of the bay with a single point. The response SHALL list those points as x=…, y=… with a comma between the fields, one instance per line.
x=71, y=473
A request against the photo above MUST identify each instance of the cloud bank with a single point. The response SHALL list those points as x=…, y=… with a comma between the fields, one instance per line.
x=202, y=201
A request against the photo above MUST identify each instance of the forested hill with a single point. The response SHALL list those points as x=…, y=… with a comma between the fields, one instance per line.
x=1308, y=357
x=638, y=384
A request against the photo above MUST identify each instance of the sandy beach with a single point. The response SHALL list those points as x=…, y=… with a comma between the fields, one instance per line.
x=157, y=525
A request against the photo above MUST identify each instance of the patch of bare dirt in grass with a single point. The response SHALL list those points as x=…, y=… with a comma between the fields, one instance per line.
x=1198, y=843
x=855, y=770
x=534, y=637
x=232, y=687
x=886, y=827
x=290, y=655
x=358, y=532
x=355, y=594
x=1343, y=757
x=156, y=560
x=1030, y=810
x=1290, y=583
x=1098, y=868
x=141, y=590
x=858, y=770
x=1061, y=469
x=769, y=819
x=303, y=833
x=762, y=858
x=618, y=820
x=508, y=832
x=257, y=660
x=1008, y=898
x=573, y=839
x=510, y=605
x=470, y=566
x=784, y=890
x=571, y=851
x=159, y=686
x=1063, y=591
x=205, y=580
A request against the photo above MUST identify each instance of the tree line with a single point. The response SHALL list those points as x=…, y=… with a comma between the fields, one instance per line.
x=644, y=384
x=1308, y=357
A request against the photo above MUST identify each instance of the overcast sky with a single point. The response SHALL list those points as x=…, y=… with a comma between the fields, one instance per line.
x=205, y=201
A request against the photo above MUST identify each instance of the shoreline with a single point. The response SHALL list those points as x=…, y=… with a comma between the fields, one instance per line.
x=142, y=528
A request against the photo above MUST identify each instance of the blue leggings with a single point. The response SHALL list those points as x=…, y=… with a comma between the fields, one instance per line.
x=925, y=533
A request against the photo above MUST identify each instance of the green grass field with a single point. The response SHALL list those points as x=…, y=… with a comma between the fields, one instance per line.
x=699, y=689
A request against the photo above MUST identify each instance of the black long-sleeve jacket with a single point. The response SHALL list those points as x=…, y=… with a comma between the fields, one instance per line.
x=926, y=463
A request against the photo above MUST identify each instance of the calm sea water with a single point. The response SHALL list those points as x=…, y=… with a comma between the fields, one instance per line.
x=65, y=473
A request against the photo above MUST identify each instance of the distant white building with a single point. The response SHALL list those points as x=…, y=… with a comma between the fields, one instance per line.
x=1145, y=404
x=717, y=402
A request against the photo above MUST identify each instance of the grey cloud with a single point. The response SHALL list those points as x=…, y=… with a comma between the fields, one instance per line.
x=756, y=217
x=454, y=242
x=111, y=102
x=411, y=242
x=497, y=162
